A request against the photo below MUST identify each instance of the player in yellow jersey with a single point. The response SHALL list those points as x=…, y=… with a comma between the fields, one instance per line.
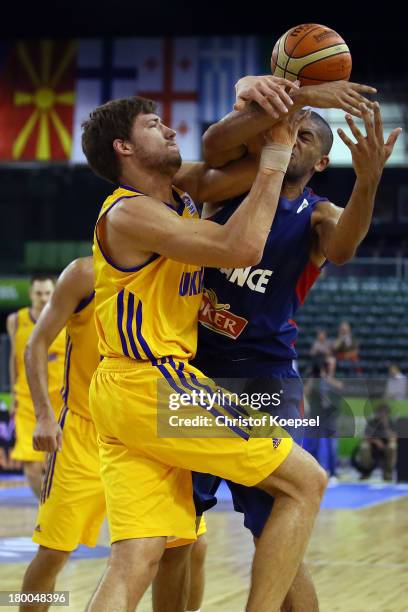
x=72, y=502
x=72, y=505
x=20, y=326
x=149, y=250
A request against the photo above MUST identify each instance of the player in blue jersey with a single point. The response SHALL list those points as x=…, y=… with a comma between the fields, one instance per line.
x=247, y=330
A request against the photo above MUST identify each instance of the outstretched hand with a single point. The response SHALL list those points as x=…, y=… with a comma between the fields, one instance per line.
x=337, y=94
x=369, y=153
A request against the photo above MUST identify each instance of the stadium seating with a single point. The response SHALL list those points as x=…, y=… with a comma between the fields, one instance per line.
x=52, y=256
x=377, y=310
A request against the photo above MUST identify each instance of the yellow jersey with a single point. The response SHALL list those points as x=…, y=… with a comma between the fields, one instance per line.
x=149, y=311
x=24, y=329
x=81, y=357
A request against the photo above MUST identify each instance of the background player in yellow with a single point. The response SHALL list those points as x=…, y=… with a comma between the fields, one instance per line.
x=148, y=254
x=72, y=502
x=20, y=325
x=72, y=505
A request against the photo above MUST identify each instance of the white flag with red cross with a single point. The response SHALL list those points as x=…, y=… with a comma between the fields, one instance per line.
x=163, y=69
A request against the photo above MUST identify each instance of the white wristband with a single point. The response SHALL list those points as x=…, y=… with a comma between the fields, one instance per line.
x=275, y=157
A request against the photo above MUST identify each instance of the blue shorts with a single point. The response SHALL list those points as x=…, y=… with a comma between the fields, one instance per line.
x=251, y=377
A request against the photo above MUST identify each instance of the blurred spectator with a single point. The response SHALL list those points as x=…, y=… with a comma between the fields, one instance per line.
x=379, y=447
x=324, y=401
x=321, y=347
x=396, y=388
x=345, y=348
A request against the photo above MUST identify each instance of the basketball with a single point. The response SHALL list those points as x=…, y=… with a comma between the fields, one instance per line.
x=313, y=54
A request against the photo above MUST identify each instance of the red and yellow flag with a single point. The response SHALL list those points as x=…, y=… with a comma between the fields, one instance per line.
x=37, y=98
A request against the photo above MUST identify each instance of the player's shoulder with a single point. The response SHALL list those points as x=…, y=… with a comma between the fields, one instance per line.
x=325, y=210
x=81, y=266
x=137, y=204
x=139, y=213
x=78, y=277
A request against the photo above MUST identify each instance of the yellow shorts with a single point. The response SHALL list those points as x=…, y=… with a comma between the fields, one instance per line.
x=147, y=476
x=25, y=425
x=201, y=530
x=72, y=504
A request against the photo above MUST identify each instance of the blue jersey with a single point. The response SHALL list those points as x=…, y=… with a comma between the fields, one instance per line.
x=247, y=313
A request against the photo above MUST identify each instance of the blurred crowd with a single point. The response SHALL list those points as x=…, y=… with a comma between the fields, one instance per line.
x=323, y=392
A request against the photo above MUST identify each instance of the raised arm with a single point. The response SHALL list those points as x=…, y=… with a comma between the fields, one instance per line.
x=226, y=140
x=340, y=231
x=137, y=227
x=74, y=284
x=206, y=184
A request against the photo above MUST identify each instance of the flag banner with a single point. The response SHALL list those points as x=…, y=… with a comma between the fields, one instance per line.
x=48, y=88
x=37, y=98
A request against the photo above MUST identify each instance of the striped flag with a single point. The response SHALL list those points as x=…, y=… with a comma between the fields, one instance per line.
x=222, y=61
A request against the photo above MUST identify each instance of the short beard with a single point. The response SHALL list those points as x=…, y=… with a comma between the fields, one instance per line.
x=167, y=164
x=295, y=173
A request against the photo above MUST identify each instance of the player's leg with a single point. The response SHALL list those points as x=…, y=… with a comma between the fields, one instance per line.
x=302, y=596
x=132, y=566
x=390, y=459
x=41, y=574
x=72, y=505
x=33, y=461
x=171, y=584
x=180, y=578
x=197, y=574
x=298, y=485
x=33, y=471
x=366, y=458
x=256, y=505
x=293, y=477
x=147, y=502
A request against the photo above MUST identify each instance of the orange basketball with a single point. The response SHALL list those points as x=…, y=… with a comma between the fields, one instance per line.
x=313, y=54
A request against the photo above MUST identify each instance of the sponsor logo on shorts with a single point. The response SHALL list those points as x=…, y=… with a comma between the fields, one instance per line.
x=276, y=442
x=218, y=317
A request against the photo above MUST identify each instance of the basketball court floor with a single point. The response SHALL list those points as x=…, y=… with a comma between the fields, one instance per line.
x=358, y=554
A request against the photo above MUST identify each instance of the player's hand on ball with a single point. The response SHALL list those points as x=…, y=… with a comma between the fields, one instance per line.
x=271, y=93
x=47, y=435
x=337, y=94
x=369, y=153
x=286, y=130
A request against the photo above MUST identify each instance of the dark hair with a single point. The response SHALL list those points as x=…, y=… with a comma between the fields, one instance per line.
x=41, y=276
x=324, y=131
x=106, y=123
